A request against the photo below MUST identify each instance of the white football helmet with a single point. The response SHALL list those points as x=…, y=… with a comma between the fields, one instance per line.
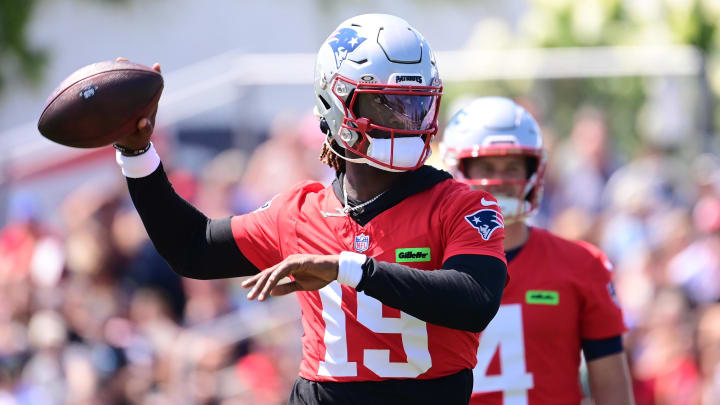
x=496, y=126
x=378, y=92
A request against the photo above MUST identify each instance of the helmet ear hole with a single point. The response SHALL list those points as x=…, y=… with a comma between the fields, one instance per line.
x=324, y=102
x=531, y=166
x=324, y=127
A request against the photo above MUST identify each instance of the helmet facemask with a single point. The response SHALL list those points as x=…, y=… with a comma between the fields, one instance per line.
x=517, y=198
x=387, y=126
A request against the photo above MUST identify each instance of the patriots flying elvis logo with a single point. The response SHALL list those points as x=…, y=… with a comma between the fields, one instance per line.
x=344, y=41
x=486, y=221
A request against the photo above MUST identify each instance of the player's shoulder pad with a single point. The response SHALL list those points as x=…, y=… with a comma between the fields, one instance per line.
x=596, y=253
x=578, y=251
x=461, y=193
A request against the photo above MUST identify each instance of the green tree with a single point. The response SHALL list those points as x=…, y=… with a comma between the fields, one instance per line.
x=18, y=57
x=588, y=23
x=625, y=22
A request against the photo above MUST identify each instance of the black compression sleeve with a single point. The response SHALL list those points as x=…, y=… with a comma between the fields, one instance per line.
x=596, y=348
x=193, y=245
x=465, y=294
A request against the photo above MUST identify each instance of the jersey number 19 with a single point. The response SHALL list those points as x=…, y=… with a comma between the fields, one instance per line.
x=369, y=313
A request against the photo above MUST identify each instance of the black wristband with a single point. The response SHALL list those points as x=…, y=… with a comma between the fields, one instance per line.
x=132, y=152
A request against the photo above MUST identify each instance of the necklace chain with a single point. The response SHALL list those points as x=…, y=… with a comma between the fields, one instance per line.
x=348, y=208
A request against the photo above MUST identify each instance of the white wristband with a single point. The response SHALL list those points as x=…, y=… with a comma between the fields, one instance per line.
x=350, y=270
x=140, y=165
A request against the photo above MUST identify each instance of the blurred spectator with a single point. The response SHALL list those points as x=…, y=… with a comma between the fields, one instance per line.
x=708, y=344
x=27, y=247
x=697, y=267
x=289, y=156
x=638, y=196
x=663, y=360
x=582, y=162
x=217, y=191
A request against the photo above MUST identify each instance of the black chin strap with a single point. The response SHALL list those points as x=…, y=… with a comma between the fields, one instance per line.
x=324, y=127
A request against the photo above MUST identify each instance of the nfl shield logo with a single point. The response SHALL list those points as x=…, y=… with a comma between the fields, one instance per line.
x=362, y=242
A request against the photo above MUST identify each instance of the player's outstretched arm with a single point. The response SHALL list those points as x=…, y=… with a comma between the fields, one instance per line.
x=194, y=245
x=465, y=294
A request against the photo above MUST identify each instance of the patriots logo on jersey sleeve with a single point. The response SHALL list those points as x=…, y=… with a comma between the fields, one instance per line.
x=486, y=221
x=344, y=41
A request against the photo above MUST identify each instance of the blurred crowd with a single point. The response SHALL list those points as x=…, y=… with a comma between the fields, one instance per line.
x=90, y=314
x=657, y=216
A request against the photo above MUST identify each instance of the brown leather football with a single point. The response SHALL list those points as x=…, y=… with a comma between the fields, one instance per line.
x=100, y=103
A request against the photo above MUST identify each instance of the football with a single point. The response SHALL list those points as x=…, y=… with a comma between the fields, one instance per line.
x=100, y=103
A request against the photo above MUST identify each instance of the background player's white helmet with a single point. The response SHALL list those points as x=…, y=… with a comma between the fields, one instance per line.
x=496, y=126
x=378, y=91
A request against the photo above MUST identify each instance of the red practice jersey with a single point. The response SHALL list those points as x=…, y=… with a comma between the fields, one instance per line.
x=350, y=336
x=560, y=293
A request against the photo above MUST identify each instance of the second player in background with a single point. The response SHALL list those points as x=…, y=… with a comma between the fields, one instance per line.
x=560, y=300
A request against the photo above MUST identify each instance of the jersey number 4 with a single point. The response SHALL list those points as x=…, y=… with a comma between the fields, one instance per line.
x=369, y=313
x=505, y=332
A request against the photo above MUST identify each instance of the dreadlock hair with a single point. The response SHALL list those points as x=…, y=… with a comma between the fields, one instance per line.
x=330, y=158
x=327, y=156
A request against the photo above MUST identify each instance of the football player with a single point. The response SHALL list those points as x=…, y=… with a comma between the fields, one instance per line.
x=396, y=266
x=560, y=300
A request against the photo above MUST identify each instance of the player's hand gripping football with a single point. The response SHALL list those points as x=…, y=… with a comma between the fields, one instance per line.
x=309, y=272
x=141, y=137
